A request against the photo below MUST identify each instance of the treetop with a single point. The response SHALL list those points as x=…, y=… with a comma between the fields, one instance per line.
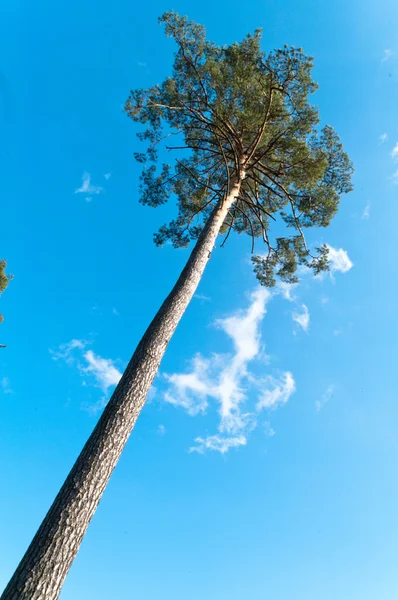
x=237, y=113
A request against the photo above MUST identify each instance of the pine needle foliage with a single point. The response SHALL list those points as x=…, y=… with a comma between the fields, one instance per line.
x=237, y=109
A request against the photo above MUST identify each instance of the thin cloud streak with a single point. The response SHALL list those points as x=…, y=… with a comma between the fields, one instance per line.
x=217, y=443
x=325, y=398
x=366, y=212
x=302, y=318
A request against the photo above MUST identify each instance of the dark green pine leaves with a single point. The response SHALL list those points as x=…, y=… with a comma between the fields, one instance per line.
x=235, y=111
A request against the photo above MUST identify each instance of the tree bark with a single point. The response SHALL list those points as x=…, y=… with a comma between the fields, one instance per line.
x=42, y=570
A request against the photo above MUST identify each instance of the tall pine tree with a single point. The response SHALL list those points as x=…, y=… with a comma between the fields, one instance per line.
x=255, y=154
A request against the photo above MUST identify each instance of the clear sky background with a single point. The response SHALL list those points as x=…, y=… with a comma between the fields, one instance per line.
x=304, y=505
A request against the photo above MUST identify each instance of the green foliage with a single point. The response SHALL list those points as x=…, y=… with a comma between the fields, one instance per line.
x=241, y=114
x=4, y=280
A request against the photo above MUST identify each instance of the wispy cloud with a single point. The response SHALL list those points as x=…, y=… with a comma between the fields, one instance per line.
x=394, y=156
x=218, y=443
x=88, y=188
x=383, y=138
x=286, y=290
x=243, y=329
x=202, y=297
x=225, y=378
x=108, y=176
x=278, y=392
x=65, y=351
x=190, y=390
x=326, y=396
x=339, y=260
x=366, y=211
x=101, y=372
x=161, y=430
x=5, y=385
x=387, y=54
x=269, y=432
x=302, y=318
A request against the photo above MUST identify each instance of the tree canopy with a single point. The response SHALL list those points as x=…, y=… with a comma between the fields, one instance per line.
x=232, y=108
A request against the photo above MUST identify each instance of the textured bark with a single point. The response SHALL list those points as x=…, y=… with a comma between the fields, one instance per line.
x=43, y=568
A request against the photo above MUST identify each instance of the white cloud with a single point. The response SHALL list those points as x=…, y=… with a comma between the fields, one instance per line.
x=202, y=297
x=286, y=289
x=324, y=300
x=5, y=385
x=366, y=211
x=302, y=318
x=161, y=430
x=102, y=369
x=387, y=55
x=383, y=138
x=328, y=394
x=108, y=176
x=190, y=390
x=225, y=378
x=65, y=351
x=339, y=260
x=243, y=329
x=87, y=187
x=278, y=392
x=217, y=443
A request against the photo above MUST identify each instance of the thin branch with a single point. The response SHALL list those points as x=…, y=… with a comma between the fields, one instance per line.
x=229, y=228
x=262, y=127
x=255, y=195
x=269, y=147
x=263, y=184
x=208, y=187
x=250, y=223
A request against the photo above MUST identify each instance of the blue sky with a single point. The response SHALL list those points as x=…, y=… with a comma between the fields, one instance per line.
x=299, y=499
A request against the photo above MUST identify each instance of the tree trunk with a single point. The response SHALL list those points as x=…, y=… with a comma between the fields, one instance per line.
x=43, y=568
